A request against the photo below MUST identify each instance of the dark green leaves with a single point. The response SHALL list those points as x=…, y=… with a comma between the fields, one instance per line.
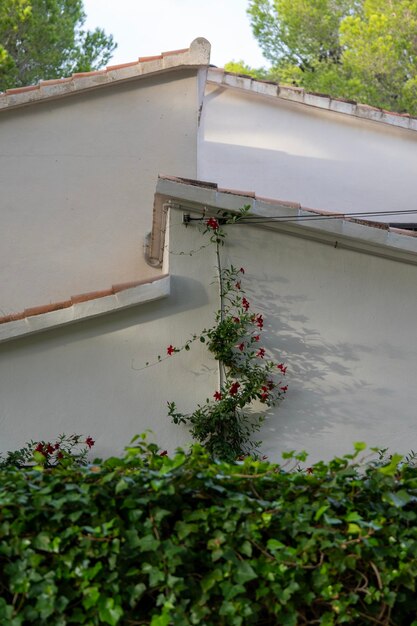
x=182, y=540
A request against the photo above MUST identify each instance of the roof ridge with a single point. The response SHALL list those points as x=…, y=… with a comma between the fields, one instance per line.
x=198, y=54
x=311, y=98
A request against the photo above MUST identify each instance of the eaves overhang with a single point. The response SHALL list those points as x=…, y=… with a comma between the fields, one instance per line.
x=83, y=307
x=290, y=218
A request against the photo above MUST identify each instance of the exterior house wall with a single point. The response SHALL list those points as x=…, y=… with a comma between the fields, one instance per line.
x=344, y=323
x=341, y=320
x=322, y=159
x=77, y=178
x=90, y=377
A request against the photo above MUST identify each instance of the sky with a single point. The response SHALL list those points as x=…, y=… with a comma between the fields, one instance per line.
x=148, y=27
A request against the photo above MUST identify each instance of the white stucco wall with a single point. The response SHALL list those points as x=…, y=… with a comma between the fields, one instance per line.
x=291, y=151
x=342, y=320
x=90, y=377
x=77, y=178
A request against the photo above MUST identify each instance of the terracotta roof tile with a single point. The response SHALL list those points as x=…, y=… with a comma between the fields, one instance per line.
x=21, y=89
x=171, y=52
x=13, y=317
x=47, y=308
x=129, y=285
x=111, y=68
x=155, y=57
x=92, y=295
x=84, y=74
x=55, y=81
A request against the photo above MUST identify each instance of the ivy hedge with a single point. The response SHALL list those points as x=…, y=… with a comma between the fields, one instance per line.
x=181, y=540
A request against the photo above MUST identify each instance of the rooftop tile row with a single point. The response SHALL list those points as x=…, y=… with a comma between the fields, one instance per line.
x=77, y=299
x=198, y=54
x=320, y=101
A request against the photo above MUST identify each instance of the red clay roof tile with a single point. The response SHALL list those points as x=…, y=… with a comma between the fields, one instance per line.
x=151, y=58
x=21, y=89
x=47, y=308
x=169, y=53
x=111, y=68
x=92, y=295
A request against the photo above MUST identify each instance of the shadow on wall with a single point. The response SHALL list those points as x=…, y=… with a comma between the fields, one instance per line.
x=324, y=387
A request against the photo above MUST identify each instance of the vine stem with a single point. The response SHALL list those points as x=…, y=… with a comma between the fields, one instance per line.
x=221, y=296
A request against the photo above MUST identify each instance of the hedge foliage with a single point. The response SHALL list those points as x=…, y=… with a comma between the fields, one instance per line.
x=149, y=539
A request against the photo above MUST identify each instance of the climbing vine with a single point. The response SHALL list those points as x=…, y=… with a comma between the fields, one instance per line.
x=226, y=423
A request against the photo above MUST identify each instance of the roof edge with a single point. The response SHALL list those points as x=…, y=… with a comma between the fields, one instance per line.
x=298, y=95
x=333, y=228
x=83, y=307
x=196, y=56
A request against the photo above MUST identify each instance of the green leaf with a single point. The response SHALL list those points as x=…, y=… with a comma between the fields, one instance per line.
x=354, y=529
x=398, y=498
x=109, y=612
x=122, y=485
x=320, y=512
x=392, y=467
x=244, y=572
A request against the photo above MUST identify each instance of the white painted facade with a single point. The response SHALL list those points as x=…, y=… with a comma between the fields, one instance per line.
x=79, y=164
x=318, y=156
x=332, y=314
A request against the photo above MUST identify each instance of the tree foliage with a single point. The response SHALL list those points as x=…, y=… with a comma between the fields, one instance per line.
x=365, y=50
x=44, y=39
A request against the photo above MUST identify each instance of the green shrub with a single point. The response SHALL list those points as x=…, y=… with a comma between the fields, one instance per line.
x=148, y=539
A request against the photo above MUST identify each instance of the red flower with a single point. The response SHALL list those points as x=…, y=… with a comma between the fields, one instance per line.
x=281, y=367
x=56, y=446
x=49, y=448
x=261, y=353
x=90, y=442
x=234, y=389
x=264, y=394
x=259, y=320
x=241, y=347
x=163, y=453
x=270, y=384
x=236, y=320
x=237, y=284
x=242, y=271
x=40, y=448
x=212, y=223
x=256, y=338
x=309, y=470
x=170, y=350
x=245, y=304
x=284, y=388
x=60, y=455
x=217, y=395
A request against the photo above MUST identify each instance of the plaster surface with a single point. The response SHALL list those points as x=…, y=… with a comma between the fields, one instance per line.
x=322, y=159
x=77, y=177
x=341, y=319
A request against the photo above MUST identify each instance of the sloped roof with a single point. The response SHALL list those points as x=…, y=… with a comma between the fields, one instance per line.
x=83, y=306
x=332, y=228
x=197, y=55
x=317, y=100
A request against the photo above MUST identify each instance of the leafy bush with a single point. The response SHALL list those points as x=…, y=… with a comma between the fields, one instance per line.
x=149, y=539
